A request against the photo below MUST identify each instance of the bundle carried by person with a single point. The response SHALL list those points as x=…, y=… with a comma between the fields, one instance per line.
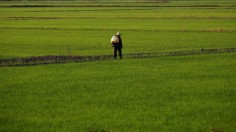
x=114, y=39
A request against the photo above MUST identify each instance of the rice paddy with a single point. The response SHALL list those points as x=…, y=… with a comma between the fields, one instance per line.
x=170, y=93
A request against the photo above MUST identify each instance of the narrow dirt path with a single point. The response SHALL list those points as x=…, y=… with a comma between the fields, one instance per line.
x=39, y=60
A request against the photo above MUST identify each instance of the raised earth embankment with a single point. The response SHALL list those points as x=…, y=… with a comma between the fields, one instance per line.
x=50, y=59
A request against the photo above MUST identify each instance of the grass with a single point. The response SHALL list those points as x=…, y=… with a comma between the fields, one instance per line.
x=87, y=30
x=192, y=93
x=62, y=42
x=123, y=3
x=184, y=93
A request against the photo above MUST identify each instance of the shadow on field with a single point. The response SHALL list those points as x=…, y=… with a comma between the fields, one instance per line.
x=37, y=60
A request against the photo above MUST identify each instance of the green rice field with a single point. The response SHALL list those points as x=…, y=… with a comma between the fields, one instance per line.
x=86, y=28
x=166, y=94
x=193, y=93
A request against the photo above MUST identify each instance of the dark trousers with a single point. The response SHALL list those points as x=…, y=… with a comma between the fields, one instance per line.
x=116, y=48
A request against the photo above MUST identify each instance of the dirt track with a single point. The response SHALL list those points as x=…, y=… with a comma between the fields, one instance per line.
x=37, y=60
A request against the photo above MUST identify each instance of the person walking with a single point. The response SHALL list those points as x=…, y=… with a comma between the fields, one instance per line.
x=117, y=45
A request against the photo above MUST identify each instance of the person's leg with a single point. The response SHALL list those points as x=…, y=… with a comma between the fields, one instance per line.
x=115, y=52
x=120, y=52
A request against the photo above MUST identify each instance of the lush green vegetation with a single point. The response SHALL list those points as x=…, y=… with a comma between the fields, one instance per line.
x=192, y=93
x=184, y=93
x=85, y=30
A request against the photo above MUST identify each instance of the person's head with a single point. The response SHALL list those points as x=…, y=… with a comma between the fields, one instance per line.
x=118, y=34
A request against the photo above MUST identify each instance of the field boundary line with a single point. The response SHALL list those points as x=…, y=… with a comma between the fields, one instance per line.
x=50, y=59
